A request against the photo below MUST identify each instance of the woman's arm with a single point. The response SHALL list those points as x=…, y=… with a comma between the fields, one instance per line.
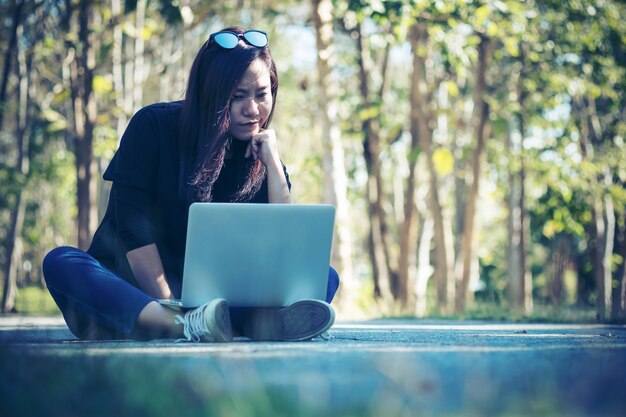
x=263, y=146
x=277, y=188
x=135, y=228
x=146, y=265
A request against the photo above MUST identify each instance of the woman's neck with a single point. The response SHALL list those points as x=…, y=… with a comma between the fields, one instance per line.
x=235, y=147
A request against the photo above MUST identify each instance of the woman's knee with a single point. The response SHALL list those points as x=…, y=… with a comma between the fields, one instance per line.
x=55, y=261
x=333, y=284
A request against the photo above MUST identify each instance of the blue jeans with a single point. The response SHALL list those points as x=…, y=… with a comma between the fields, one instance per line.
x=98, y=304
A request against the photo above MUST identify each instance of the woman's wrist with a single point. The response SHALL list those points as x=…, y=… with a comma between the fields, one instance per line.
x=278, y=188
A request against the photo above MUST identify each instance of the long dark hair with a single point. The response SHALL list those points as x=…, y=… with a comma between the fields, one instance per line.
x=205, y=118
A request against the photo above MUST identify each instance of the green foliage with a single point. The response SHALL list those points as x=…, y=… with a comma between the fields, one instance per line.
x=36, y=301
x=554, y=64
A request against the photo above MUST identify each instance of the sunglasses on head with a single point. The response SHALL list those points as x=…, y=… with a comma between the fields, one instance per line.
x=228, y=40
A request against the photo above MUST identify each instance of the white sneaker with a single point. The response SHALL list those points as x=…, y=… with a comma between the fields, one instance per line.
x=302, y=320
x=208, y=323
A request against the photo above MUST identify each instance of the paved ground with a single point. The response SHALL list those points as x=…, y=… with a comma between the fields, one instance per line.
x=377, y=368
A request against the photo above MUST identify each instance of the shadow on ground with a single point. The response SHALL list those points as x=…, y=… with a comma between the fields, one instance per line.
x=378, y=368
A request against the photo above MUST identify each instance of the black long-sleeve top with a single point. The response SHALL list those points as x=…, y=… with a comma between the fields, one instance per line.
x=145, y=204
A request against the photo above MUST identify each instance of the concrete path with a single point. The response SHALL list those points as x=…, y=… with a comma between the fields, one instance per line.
x=375, y=368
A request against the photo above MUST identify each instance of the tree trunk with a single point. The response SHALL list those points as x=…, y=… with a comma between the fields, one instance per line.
x=168, y=74
x=118, y=67
x=585, y=285
x=619, y=293
x=526, y=275
x=14, y=235
x=407, y=241
x=520, y=278
x=8, y=57
x=378, y=242
x=336, y=181
x=422, y=136
x=138, y=75
x=13, y=253
x=481, y=124
x=600, y=237
x=424, y=268
x=559, y=261
x=82, y=67
x=407, y=237
x=621, y=311
x=514, y=265
x=602, y=214
x=463, y=139
x=605, y=286
x=404, y=279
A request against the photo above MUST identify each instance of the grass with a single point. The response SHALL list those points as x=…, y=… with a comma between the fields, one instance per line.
x=480, y=310
x=34, y=300
x=541, y=313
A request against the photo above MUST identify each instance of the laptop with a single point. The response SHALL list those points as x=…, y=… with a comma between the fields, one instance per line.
x=256, y=255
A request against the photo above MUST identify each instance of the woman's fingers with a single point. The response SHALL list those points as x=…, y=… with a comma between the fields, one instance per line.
x=252, y=150
x=262, y=145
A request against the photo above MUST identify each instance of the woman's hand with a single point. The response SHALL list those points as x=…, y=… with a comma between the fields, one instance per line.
x=263, y=147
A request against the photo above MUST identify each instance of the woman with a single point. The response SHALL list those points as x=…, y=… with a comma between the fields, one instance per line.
x=215, y=145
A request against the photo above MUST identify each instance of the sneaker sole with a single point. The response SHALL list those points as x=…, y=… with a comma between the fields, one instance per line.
x=302, y=320
x=217, y=316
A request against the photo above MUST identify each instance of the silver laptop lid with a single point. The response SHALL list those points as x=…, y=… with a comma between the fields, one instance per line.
x=257, y=254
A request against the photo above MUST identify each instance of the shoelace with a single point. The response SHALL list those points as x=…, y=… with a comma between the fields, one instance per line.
x=194, y=326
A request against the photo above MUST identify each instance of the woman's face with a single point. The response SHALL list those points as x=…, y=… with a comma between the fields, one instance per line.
x=251, y=103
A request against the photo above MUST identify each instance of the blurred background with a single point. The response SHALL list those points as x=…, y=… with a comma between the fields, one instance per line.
x=474, y=149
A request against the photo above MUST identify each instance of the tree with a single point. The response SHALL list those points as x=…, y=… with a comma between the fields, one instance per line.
x=335, y=180
x=589, y=71
x=13, y=245
x=422, y=137
x=81, y=58
x=378, y=240
x=16, y=14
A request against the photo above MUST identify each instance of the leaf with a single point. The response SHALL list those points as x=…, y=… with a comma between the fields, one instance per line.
x=146, y=33
x=548, y=229
x=414, y=153
x=453, y=89
x=444, y=7
x=102, y=85
x=369, y=113
x=61, y=94
x=129, y=29
x=472, y=40
x=493, y=29
x=482, y=14
x=52, y=115
x=595, y=91
x=57, y=121
x=444, y=161
x=511, y=46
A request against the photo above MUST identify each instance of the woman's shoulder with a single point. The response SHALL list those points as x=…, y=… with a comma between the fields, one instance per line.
x=151, y=134
x=163, y=109
x=157, y=118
